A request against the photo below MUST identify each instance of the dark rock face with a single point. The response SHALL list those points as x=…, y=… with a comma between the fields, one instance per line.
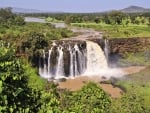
x=123, y=45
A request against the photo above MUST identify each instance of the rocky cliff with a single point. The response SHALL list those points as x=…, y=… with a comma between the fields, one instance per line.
x=123, y=45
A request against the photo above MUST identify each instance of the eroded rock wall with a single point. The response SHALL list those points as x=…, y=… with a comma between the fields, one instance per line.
x=123, y=45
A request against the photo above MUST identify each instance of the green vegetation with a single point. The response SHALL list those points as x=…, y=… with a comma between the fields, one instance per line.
x=20, y=33
x=136, y=86
x=15, y=95
x=116, y=24
x=131, y=102
x=90, y=99
x=135, y=59
x=118, y=31
x=139, y=84
x=23, y=91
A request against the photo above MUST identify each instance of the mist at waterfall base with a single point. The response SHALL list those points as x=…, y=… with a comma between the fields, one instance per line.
x=74, y=60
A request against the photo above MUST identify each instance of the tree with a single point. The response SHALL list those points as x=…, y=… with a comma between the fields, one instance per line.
x=126, y=21
x=15, y=95
x=19, y=20
x=6, y=15
x=137, y=20
x=115, y=17
x=97, y=20
x=143, y=20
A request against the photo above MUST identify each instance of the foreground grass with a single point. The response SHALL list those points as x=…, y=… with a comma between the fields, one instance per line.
x=137, y=83
x=118, y=31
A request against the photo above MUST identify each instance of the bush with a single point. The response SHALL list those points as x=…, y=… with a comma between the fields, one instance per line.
x=90, y=99
x=129, y=103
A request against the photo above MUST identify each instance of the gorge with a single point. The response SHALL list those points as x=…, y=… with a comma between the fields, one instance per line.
x=69, y=59
x=87, y=54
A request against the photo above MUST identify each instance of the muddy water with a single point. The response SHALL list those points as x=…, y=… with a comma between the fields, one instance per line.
x=115, y=92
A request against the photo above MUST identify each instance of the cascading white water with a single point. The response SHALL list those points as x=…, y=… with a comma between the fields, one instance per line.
x=43, y=71
x=106, y=49
x=80, y=61
x=75, y=60
x=96, y=59
x=70, y=61
x=60, y=64
x=49, y=58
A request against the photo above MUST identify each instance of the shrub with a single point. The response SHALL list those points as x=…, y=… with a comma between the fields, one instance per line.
x=90, y=99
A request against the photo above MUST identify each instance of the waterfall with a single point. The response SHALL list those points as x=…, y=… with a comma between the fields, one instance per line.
x=72, y=59
x=77, y=61
x=71, y=62
x=106, y=49
x=96, y=59
x=43, y=67
x=76, y=58
x=49, y=58
x=60, y=64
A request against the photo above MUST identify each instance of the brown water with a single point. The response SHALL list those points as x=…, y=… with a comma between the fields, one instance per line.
x=115, y=92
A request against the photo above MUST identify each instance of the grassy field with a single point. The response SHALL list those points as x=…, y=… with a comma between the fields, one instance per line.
x=135, y=59
x=138, y=83
x=118, y=31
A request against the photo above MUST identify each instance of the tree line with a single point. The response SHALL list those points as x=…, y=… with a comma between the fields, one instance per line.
x=113, y=17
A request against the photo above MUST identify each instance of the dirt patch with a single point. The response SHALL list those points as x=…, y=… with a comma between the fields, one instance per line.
x=78, y=82
x=133, y=69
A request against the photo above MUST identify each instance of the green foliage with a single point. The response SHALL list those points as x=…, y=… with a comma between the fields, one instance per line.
x=118, y=31
x=137, y=20
x=50, y=19
x=15, y=95
x=115, y=17
x=19, y=20
x=8, y=18
x=50, y=99
x=137, y=59
x=136, y=85
x=90, y=99
x=34, y=80
x=131, y=102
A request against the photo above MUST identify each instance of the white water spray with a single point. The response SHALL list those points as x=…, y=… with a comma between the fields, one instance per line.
x=89, y=60
x=60, y=64
x=96, y=59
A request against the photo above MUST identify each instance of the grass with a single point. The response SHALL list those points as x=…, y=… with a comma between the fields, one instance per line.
x=138, y=83
x=34, y=80
x=136, y=59
x=118, y=31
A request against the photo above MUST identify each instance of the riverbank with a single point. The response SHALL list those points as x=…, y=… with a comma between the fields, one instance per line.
x=115, y=92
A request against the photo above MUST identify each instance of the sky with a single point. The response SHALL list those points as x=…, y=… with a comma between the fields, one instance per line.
x=74, y=5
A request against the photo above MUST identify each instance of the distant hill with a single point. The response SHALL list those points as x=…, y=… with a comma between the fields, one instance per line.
x=135, y=9
x=130, y=9
x=23, y=10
